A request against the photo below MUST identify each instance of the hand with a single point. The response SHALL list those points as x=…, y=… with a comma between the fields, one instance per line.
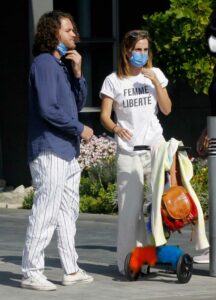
x=87, y=134
x=123, y=133
x=149, y=73
x=76, y=62
x=202, y=143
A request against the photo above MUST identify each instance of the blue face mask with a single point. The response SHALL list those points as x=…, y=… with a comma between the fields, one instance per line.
x=62, y=49
x=138, y=59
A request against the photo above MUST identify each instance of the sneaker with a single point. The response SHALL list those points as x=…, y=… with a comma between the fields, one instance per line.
x=80, y=276
x=39, y=283
x=202, y=258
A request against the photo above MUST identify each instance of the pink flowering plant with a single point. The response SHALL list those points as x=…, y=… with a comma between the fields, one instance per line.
x=98, y=180
x=96, y=151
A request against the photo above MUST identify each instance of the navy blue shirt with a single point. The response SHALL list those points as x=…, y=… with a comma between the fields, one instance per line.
x=55, y=97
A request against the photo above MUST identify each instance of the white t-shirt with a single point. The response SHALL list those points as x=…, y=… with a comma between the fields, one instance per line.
x=135, y=106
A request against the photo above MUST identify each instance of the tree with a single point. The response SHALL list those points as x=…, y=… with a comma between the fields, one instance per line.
x=179, y=43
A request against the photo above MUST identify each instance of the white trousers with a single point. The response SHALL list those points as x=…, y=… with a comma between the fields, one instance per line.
x=55, y=207
x=131, y=224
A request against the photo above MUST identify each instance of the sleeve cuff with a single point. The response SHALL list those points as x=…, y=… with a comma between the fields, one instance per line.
x=80, y=128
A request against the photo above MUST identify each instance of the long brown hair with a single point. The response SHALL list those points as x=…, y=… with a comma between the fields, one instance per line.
x=127, y=45
x=47, y=30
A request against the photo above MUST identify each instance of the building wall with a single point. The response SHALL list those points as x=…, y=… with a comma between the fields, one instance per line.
x=14, y=63
x=188, y=116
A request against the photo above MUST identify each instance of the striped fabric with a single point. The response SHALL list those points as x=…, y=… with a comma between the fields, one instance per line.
x=55, y=207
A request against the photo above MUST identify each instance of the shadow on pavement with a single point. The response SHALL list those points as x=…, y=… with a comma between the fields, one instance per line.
x=93, y=247
x=10, y=279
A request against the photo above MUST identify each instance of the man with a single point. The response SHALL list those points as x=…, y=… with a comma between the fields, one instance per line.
x=57, y=91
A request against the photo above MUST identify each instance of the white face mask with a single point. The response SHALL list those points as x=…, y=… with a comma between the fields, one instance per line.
x=212, y=43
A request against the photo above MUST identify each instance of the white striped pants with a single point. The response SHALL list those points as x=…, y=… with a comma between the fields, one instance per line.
x=55, y=206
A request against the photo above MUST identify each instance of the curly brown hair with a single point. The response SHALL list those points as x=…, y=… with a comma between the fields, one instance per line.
x=47, y=30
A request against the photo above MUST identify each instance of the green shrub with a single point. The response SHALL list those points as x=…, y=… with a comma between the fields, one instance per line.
x=104, y=172
x=179, y=43
x=103, y=203
x=28, y=200
x=200, y=183
x=98, y=188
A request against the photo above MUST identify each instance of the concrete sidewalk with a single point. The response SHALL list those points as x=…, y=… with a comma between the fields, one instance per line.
x=96, y=246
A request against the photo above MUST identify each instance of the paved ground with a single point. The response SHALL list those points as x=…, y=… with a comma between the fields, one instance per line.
x=96, y=240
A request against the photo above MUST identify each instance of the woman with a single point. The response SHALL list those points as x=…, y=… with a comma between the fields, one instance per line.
x=134, y=92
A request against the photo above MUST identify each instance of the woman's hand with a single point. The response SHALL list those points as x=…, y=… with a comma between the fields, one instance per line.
x=123, y=133
x=163, y=99
x=107, y=122
x=149, y=73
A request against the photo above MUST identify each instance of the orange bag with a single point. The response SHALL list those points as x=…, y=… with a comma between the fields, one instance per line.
x=178, y=208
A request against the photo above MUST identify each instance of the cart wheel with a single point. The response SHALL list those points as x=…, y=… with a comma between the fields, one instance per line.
x=184, y=268
x=132, y=276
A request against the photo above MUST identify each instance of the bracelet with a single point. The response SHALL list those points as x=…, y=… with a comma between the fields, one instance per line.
x=114, y=128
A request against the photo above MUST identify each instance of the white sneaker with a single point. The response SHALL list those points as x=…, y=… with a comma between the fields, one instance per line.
x=80, y=276
x=39, y=283
x=202, y=258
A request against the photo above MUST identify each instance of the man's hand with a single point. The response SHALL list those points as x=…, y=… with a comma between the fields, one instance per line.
x=76, y=62
x=87, y=133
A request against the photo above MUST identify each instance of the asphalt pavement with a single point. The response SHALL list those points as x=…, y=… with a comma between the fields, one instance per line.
x=96, y=247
